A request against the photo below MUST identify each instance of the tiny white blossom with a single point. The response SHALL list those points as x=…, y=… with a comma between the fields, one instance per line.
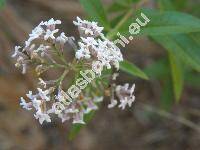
x=64, y=117
x=25, y=105
x=43, y=94
x=78, y=118
x=123, y=103
x=125, y=95
x=83, y=52
x=90, y=106
x=16, y=51
x=113, y=103
x=50, y=34
x=42, y=117
x=51, y=22
x=36, y=33
x=36, y=103
x=88, y=28
x=30, y=95
x=62, y=39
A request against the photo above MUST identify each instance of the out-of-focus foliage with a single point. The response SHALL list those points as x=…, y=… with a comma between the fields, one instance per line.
x=2, y=3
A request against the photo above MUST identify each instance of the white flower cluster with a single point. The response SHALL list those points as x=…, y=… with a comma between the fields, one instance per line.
x=125, y=96
x=39, y=46
x=72, y=110
x=87, y=28
x=43, y=49
x=94, y=46
x=38, y=101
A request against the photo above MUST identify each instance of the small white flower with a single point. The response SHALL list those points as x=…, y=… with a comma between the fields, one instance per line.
x=25, y=105
x=90, y=41
x=42, y=117
x=43, y=94
x=125, y=95
x=42, y=48
x=62, y=39
x=71, y=110
x=64, y=117
x=50, y=34
x=78, y=118
x=113, y=103
x=51, y=22
x=90, y=106
x=16, y=51
x=83, y=52
x=123, y=103
x=36, y=33
x=36, y=104
x=30, y=95
x=88, y=28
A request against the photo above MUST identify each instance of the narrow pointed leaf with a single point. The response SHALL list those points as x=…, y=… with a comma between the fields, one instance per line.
x=166, y=98
x=132, y=69
x=163, y=23
x=177, y=75
x=183, y=47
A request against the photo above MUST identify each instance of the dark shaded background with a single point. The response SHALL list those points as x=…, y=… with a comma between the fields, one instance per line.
x=143, y=127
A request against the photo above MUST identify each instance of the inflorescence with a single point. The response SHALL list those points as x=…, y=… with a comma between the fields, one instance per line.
x=45, y=49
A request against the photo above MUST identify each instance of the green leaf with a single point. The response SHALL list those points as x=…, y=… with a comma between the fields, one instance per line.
x=77, y=127
x=166, y=98
x=132, y=69
x=183, y=47
x=158, y=69
x=177, y=75
x=95, y=10
x=163, y=23
x=170, y=22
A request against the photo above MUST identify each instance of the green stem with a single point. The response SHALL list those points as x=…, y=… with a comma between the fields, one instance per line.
x=62, y=77
x=114, y=31
x=57, y=66
x=60, y=55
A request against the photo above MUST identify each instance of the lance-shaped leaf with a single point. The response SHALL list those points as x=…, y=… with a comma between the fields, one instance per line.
x=166, y=98
x=132, y=69
x=177, y=75
x=163, y=23
x=182, y=46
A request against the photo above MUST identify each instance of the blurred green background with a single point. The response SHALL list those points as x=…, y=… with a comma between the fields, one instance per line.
x=164, y=62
